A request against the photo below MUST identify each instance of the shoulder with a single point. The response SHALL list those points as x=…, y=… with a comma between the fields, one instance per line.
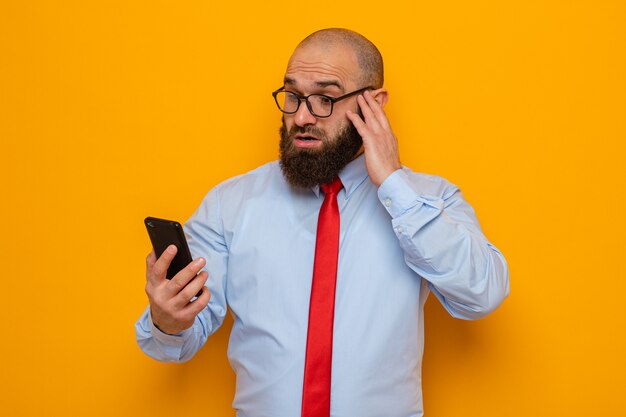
x=264, y=174
x=231, y=195
x=264, y=180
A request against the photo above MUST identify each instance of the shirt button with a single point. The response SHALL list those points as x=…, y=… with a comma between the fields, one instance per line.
x=399, y=229
x=387, y=202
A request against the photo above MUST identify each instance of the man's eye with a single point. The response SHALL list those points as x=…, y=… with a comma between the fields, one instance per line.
x=322, y=100
x=325, y=100
x=291, y=98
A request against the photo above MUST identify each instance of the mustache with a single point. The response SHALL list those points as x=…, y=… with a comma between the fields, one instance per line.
x=309, y=129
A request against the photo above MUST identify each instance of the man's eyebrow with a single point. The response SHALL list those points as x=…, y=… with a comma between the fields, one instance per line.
x=329, y=83
x=320, y=84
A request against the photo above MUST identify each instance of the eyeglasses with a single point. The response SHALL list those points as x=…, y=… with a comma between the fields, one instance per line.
x=319, y=105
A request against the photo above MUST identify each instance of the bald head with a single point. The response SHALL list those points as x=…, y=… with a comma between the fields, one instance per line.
x=368, y=57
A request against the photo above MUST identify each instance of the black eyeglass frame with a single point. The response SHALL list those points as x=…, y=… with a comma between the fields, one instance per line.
x=332, y=100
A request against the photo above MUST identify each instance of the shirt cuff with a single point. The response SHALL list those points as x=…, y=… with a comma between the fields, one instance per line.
x=396, y=194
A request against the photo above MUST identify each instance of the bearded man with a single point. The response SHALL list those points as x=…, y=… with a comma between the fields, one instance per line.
x=326, y=257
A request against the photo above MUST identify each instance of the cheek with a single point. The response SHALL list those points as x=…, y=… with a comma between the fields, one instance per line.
x=332, y=125
x=288, y=122
x=340, y=126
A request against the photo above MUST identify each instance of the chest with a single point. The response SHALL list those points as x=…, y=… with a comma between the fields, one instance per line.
x=272, y=246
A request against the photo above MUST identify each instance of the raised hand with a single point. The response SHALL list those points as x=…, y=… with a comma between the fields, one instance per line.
x=379, y=143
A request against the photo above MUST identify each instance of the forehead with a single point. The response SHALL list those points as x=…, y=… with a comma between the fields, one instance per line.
x=321, y=66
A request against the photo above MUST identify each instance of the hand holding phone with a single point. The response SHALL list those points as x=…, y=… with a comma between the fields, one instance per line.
x=172, y=278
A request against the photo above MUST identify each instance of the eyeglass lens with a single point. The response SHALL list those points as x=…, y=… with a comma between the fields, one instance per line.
x=320, y=105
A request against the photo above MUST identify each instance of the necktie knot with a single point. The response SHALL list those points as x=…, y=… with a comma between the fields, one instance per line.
x=332, y=187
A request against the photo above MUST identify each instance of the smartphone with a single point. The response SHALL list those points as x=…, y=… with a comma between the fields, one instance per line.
x=169, y=232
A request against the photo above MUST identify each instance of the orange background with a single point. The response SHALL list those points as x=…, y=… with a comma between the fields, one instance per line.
x=114, y=110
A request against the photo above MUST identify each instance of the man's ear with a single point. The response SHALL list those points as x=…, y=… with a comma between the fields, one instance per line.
x=381, y=96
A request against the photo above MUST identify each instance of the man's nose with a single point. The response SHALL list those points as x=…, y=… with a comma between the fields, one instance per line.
x=303, y=116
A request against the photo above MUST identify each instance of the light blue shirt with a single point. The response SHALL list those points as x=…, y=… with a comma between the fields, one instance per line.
x=412, y=235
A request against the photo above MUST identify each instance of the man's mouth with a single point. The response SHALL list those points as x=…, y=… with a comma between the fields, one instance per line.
x=304, y=140
x=305, y=137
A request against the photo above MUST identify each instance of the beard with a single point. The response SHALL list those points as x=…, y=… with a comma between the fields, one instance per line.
x=308, y=167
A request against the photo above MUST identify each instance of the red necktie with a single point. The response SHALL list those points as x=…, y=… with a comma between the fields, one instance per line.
x=319, y=344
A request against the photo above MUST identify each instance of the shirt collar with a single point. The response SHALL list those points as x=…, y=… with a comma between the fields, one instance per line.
x=352, y=175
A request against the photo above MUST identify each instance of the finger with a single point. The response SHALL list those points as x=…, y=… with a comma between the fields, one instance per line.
x=368, y=114
x=364, y=130
x=376, y=109
x=150, y=260
x=192, y=288
x=358, y=123
x=159, y=269
x=184, y=276
x=197, y=305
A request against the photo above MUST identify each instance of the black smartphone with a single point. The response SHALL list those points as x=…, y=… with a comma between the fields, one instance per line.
x=169, y=232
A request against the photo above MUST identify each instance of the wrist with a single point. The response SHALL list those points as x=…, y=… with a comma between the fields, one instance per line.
x=163, y=327
x=379, y=179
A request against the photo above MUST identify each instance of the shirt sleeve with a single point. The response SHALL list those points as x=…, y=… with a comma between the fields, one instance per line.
x=443, y=243
x=205, y=236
